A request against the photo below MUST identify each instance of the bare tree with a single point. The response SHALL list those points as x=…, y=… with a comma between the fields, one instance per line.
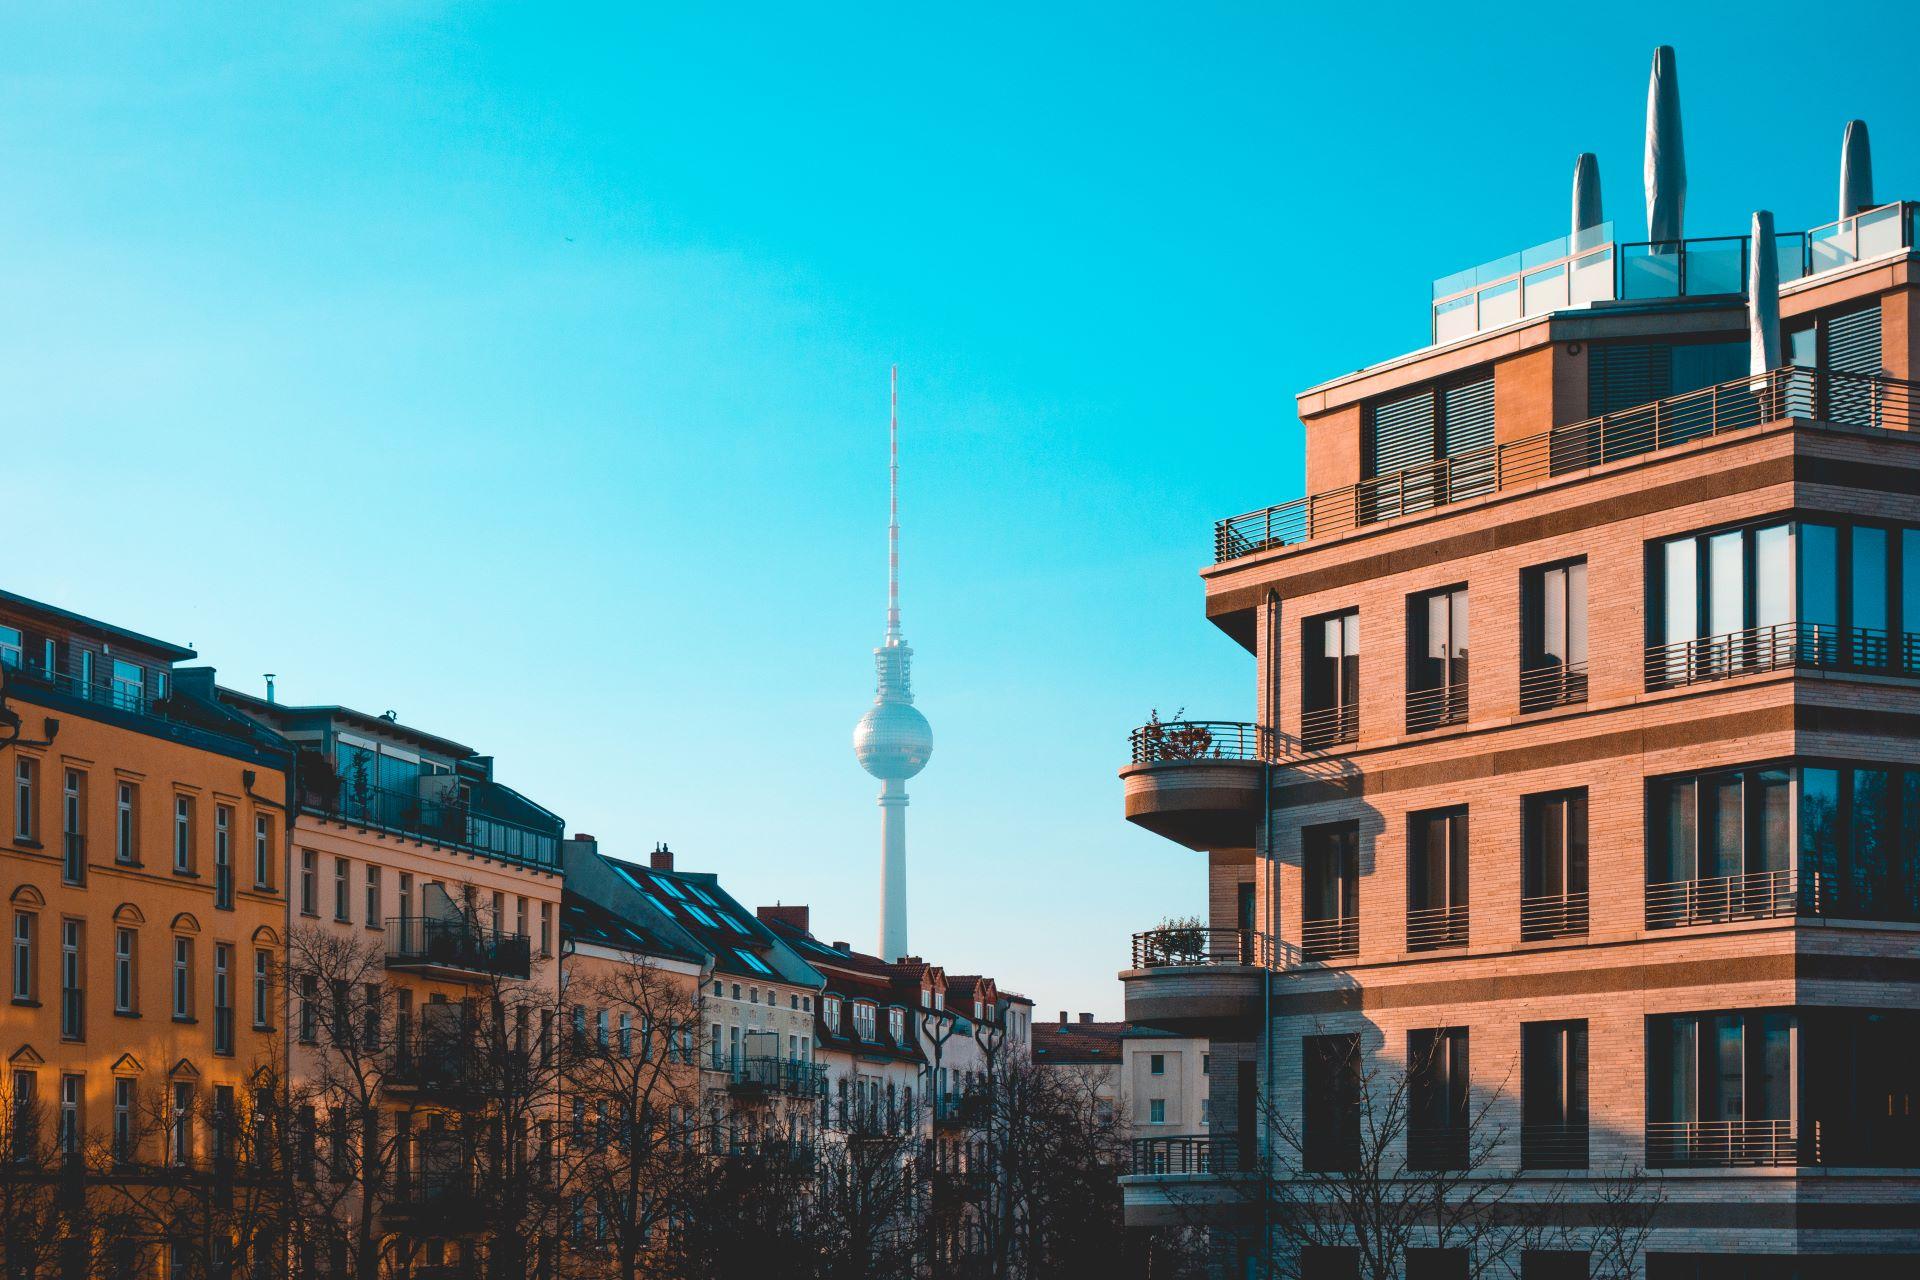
x=870, y=1191
x=43, y=1219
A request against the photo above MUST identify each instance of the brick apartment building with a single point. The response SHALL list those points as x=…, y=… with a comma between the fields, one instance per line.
x=1637, y=870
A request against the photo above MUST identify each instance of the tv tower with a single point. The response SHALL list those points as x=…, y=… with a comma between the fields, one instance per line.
x=893, y=740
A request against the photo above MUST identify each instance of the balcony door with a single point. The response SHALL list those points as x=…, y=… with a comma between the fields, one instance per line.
x=1437, y=659
x=1330, y=901
x=1437, y=879
x=1330, y=673
x=1553, y=871
x=1553, y=1095
x=1721, y=1089
x=1553, y=636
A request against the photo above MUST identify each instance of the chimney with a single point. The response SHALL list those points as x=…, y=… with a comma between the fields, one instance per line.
x=584, y=838
x=662, y=859
x=1086, y=1017
x=846, y=947
x=795, y=917
x=1063, y=1017
x=270, y=676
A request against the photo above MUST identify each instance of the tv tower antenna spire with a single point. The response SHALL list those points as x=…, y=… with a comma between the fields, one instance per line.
x=893, y=506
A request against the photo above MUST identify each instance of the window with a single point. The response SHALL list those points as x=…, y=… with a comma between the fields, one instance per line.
x=1553, y=871
x=309, y=1008
x=626, y=1035
x=72, y=1010
x=1330, y=901
x=1437, y=913
x=71, y=1089
x=183, y=979
x=1553, y=636
x=1452, y=419
x=752, y=962
x=1157, y=1064
x=546, y=929
x=26, y=822
x=125, y=988
x=1720, y=1089
x=25, y=1105
x=342, y=898
x=1330, y=672
x=1330, y=1081
x=23, y=958
x=1437, y=659
x=262, y=852
x=863, y=1019
x=180, y=1124
x=123, y=1118
x=1722, y=603
x=73, y=867
x=223, y=998
x=309, y=887
x=262, y=990
x=129, y=685
x=1624, y=376
x=830, y=1012
x=223, y=857
x=11, y=650
x=183, y=835
x=127, y=829
x=1553, y=1095
x=1156, y=1111
x=1720, y=846
x=373, y=896
x=1846, y=346
x=1437, y=1114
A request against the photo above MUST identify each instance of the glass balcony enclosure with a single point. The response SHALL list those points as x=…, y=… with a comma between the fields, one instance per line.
x=1579, y=270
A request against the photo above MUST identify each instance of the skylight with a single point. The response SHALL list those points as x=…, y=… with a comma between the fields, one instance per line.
x=752, y=961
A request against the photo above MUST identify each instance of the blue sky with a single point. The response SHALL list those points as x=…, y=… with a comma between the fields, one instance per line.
x=524, y=371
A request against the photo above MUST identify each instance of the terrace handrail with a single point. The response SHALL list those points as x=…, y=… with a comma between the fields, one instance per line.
x=1186, y=1155
x=1823, y=395
x=1163, y=741
x=1197, y=945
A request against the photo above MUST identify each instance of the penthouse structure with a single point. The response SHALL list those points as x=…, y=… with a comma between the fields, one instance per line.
x=1578, y=778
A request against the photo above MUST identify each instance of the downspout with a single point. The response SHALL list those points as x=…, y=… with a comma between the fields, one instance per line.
x=1273, y=901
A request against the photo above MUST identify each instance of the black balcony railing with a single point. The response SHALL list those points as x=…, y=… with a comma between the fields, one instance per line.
x=1438, y=1146
x=1756, y=895
x=1162, y=741
x=456, y=817
x=1190, y=1156
x=1821, y=395
x=1781, y=646
x=431, y=1061
x=1164, y=948
x=1558, y=684
x=1323, y=727
x=1330, y=938
x=1432, y=928
x=1553, y=915
x=959, y=1108
x=776, y=1075
x=428, y=941
x=1553, y=1146
x=1436, y=708
x=73, y=863
x=1721, y=1144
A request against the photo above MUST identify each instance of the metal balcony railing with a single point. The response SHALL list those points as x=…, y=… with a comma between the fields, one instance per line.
x=1435, y=708
x=1553, y=915
x=448, y=820
x=1330, y=938
x=1191, y=1156
x=1166, y=948
x=1721, y=1144
x=1757, y=895
x=1820, y=395
x=776, y=1075
x=1432, y=928
x=1558, y=684
x=1553, y=1146
x=1778, y=647
x=1438, y=1146
x=1323, y=727
x=959, y=1108
x=414, y=941
x=1160, y=741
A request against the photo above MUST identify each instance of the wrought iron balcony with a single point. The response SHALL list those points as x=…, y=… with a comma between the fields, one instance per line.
x=1186, y=1156
x=1553, y=915
x=1432, y=928
x=1179, y=946
x=1819, y=395
x=456, y=947
x=1721, y=1144
x=767, y=1075
x=959, y=1109
x=1162, y=741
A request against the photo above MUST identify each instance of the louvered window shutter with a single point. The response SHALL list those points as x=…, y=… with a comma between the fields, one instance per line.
x=1626, y=376
x=1400, y=433
x=1853, y=354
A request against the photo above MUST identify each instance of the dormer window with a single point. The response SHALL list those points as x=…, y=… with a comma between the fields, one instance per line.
x=865, y=1017
x=830, y=1012
x=897, y=1025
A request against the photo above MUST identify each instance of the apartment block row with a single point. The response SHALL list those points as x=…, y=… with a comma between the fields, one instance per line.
x=228, y=916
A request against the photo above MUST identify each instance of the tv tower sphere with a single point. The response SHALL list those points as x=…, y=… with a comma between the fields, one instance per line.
x=893, y=740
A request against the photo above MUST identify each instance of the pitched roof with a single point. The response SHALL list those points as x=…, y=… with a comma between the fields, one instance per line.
x=1091, y=1042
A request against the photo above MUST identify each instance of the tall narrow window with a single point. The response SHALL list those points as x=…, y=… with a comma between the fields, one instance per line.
x=309, y=1008
x=1720, y=1089
x=1330, y=1080
x=73, y=867
x=23, y=958
x=1437, y=659
x=72, y=1001
x=1438, y=1105
x=223, y=857
x=123, y=1119
x=1330, y=901
x=1553, y=872
x=182, y=835
x=71, y=1089
x=127, y=830
x=373, y=896
x=342, y=898
x=262, y=990
x=223, y=998
x=262, y=852
x=1437, y=879
x=183, y=979
x=180, y=1124
x=309, y=887
x=1553, y=1095
x=26, y=819
x=1553, y=639
x=1330, y=674
x=125, y=989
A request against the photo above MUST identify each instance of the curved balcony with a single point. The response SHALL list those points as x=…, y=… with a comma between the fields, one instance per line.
x=1192, y=1180
x=1199, y=982
x=1198, y=782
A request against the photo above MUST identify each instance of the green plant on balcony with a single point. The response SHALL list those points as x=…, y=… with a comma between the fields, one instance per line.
x=1178, y=940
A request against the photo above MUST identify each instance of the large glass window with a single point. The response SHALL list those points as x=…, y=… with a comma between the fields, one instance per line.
x=1330, y=903
x=1438, y=1104
x=1330, y=1080
x=1719, y=847
x=1437, y=879
x=1437, y=659
x=1553, y=1095
x=1553, y=872
x=1553, y=636
x=1330, y=672
x=1720, y=1089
